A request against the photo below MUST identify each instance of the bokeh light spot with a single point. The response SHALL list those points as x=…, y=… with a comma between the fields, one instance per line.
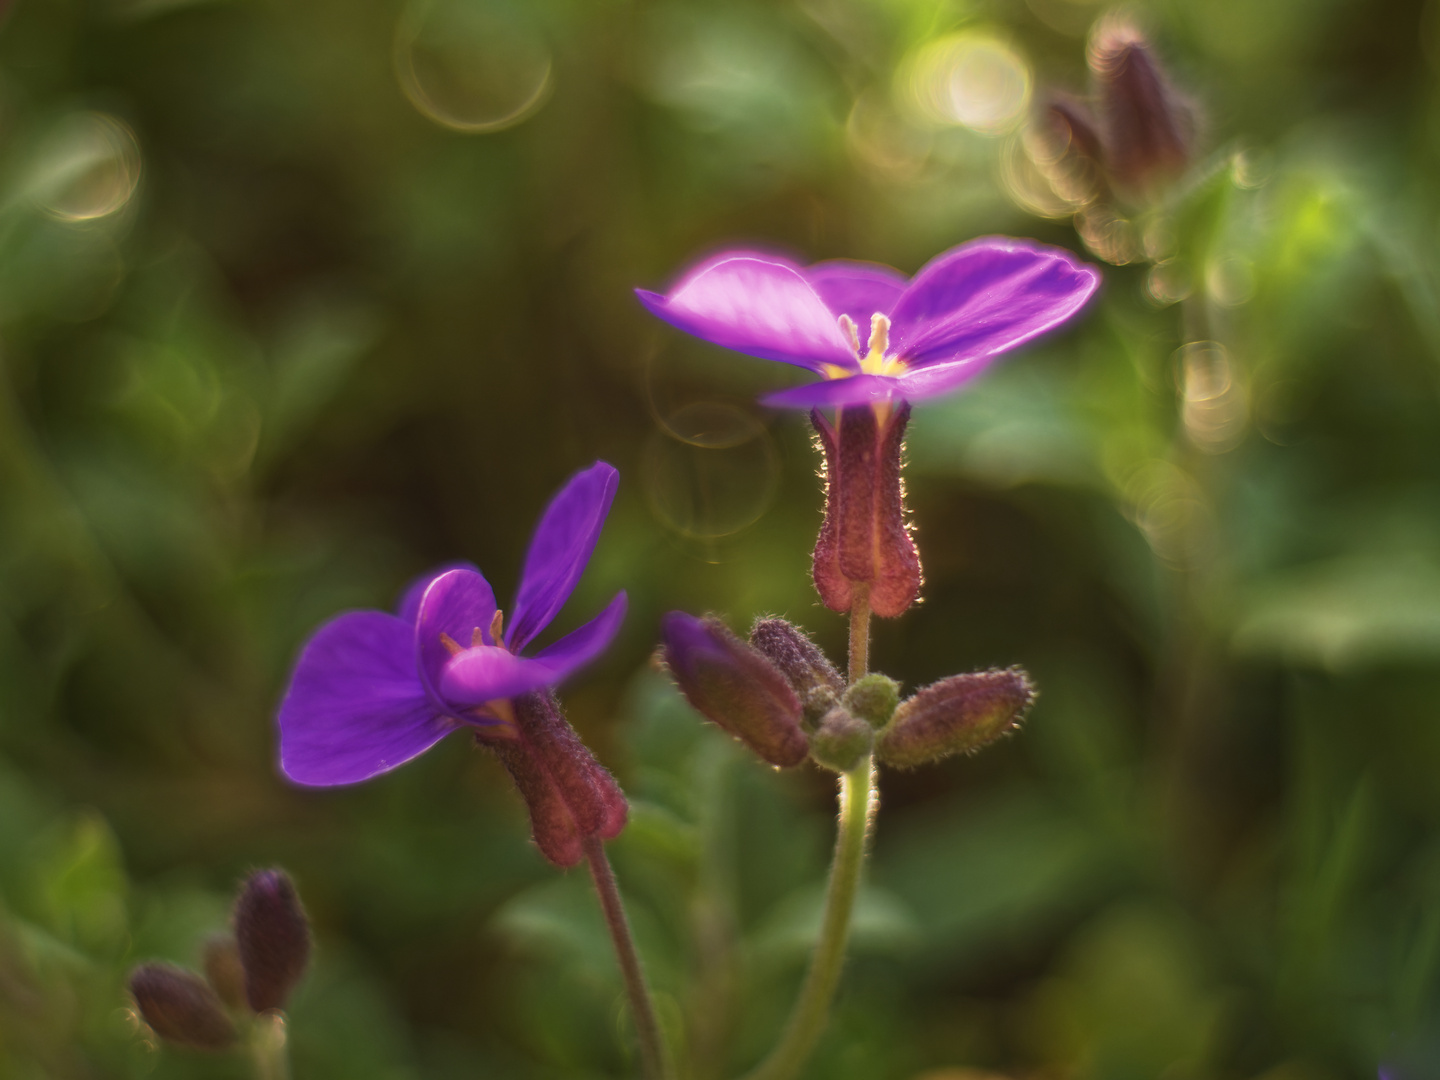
x=1230, y=280
x=88, y=167
x=972, y=79
x=1214, y=401
x=472, y=67
x=711, y=472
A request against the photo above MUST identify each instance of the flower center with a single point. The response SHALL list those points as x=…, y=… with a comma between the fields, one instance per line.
x=477, y=636
x=496, y=719
x=874, y=362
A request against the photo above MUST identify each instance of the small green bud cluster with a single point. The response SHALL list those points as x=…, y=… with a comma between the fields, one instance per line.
x=783, y=698
x=252, y=971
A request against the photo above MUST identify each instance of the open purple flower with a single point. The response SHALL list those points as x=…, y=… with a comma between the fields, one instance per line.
x=372, y=690
x=874, y=336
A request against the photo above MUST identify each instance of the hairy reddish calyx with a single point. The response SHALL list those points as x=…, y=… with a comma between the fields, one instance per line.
x=864, y=543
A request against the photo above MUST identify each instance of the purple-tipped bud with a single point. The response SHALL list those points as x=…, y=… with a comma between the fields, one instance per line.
x=1148, y=129
x=1073, y=128
x=840, y=740
x=181, y=1008
x=735, y=686
x=569, y=794
x=272, y=936
x=813, y=678
x=957, y=715
x=873, y=699
x=864, y=548
x=223, y=969
x=1071, y=153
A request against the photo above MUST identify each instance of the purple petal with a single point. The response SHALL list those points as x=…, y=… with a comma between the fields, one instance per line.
x=409, y=607
x=941, y=378
x=486, y=673
x=579, y=647
x=562, y=545
x=454, y=604
x=755, y=304
x=355, y=707
x=985, y=297
x=857, y=289
x=854, y=390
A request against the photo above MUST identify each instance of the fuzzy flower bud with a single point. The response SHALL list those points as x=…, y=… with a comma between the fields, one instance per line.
x=840, y=740
x=272, y=936
x=223, y=969
x=1148, y=128
x=180, y=1007
x=813, y=678
x=735, y=686
x=957, y=715
x=569, y=794
x=873, y=699
x=864, y=547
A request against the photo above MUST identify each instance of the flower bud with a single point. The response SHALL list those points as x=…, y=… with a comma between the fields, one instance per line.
x=735, y=686
x=957, y=715
x=864, y=548
x=813, y=678
x=180, y=1007
x=840, y=740
x=1148, y=128
x=272, y=936
x=223, y=969
x=873, y=699
x=569, y=794
x=1071, y=154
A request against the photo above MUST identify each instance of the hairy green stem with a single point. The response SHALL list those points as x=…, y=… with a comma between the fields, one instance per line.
x=654, y=1058
x=857, y=807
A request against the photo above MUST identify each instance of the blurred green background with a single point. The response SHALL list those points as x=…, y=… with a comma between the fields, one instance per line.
x=301, y=297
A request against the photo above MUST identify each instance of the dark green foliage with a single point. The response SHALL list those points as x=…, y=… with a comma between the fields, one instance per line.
x=327, y=343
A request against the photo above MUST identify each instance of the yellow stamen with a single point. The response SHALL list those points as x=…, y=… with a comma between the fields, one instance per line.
x=874, y=362
x=497, y=627
x=879, y=334
x=451, y=645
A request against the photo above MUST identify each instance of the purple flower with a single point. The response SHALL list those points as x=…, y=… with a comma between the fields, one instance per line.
x=371, y=690
x=872, y=335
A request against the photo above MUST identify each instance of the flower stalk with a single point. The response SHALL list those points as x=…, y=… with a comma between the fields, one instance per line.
x=269, y=1046
x=654, y=1058
x=858, y=801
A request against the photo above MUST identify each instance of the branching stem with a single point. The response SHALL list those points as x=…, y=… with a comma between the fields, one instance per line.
x=857, y=807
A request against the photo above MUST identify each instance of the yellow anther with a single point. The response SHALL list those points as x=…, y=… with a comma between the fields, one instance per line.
x=875, y=362
x=497, y=627
x=451, y=645
x=879, y=334
x=476, y=637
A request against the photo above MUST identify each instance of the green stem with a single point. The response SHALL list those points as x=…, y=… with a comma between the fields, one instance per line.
x=268, y=1044
x=860, y=635
x=857, y=806
x=654, y=1060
